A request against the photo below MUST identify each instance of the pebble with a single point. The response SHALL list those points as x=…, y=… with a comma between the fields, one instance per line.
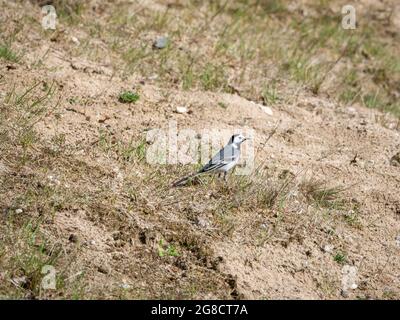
x=203, y=222
x=328, y=248
x=103, y=269
x=19, y=281
x=351, y=110
x=19, y=210
x=75, y=40
x=125, y=286
x=160, y=43
x=267, y=110
x=264, y=226
x=181, y=110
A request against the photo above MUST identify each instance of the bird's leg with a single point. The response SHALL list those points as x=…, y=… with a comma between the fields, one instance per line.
x=225, y=176
x=219, y=175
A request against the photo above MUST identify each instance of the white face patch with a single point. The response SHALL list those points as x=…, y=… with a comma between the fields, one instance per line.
x=238, y=139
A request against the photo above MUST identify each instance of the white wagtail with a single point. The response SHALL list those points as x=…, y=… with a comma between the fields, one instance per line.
x=222, y=162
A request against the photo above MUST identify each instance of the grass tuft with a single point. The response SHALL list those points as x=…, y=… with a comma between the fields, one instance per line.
x=8, y=54
x=322, y=196
x=128, y=97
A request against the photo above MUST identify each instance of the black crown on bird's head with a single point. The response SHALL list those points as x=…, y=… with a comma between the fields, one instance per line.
x=237, y=138
x=232, y=138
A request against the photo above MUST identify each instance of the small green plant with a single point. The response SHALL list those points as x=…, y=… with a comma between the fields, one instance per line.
x=322, y=196
x=351, y=217
x=170, y=250
x=273, y=6
x=212, y=77
x=69, y=11
x=222, y=105
x=269, y=94
x=140, y=150
x=8, y=54
x=371, y=100
x=340, y=257
x=129, y=151
x=128, y=97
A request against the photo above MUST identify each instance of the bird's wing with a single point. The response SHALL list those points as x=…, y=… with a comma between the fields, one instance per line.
x=223, y=157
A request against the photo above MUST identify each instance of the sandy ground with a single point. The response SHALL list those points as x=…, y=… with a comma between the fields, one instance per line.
x=273, y=254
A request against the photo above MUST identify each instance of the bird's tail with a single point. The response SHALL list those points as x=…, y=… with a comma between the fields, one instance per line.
x=183, y=181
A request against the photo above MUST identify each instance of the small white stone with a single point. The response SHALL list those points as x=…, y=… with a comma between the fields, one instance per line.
x=75, y=40
x=181, y=109
x=19, y=281
x=125, y=286
x=153, y=77
x=267, y=110
x=18, y=211
x=203, y=222
x=328, y=248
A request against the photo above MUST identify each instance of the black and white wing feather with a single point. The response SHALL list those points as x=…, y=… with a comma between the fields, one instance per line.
x=224, y=157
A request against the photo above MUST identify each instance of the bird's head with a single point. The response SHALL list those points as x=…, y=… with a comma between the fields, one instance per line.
x=237, y=139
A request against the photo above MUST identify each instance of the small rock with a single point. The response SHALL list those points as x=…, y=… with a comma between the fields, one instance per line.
x=161, y=43
x=264, y=225
x=153, y=77
x=181, y=110
x=19, y=281
x=103, y=269
x=328, y=248
x=125, y=286
x=351, y=110
x=203, y=222
x=395, y=160
x=398, y=240
x=53, y=180
x=19, y=211
x=267, y=110
x=75, y=40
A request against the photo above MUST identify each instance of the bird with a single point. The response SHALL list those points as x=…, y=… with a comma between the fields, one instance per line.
x=223, y=161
